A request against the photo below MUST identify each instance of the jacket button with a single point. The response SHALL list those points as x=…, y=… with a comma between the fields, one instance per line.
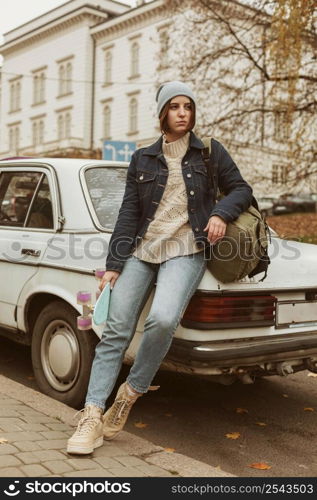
x=185, y=162
x=189, y=175
x=192, y=210
x=192, y=192
x=196, y=229
x=141, y=177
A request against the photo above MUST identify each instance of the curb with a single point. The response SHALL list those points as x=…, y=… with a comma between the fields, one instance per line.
x=176, y=463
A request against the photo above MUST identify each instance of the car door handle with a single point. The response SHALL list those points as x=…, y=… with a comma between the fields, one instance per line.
x=31, y=251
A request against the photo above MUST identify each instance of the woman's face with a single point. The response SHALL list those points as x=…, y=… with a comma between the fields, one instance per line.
x=179, y=115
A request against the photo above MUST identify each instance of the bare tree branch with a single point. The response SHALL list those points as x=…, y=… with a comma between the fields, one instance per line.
x=254, y=71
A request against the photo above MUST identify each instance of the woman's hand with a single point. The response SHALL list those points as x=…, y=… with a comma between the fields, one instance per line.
x=216, y=228
x=111, y=276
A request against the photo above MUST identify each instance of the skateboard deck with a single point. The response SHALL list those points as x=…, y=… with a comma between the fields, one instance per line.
x=101, y=308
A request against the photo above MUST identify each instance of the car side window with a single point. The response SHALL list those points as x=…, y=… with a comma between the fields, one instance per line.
x=106, y=188
x=25, y=200
x=41, y=213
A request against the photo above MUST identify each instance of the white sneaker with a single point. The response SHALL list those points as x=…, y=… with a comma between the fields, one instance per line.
x=89, y=432
x=115, y=418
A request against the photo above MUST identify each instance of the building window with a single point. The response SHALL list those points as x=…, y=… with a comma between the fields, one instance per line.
x=18, y=95
x=106, y=121
x=64, y=126
x=135, y=59
x=42, y=87
x=41, y=132
x=11, y=140
x=279, y=174
x=164, y=44
x=34, y=134
x=39, y=88
x=108, y=67
x=61, y=79
x=14, y=139
x=133, y=115
x=69, y=75
x=12, y=97
x=15, y=96
x=60, y=127
x=35, y=89
x=68, y=125
x=65, y=77
x=38, y=132
x=281, y=126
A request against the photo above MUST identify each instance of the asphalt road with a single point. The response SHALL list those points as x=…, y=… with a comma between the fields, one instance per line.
x=275, y=418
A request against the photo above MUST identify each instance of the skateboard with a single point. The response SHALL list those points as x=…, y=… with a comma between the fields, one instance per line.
x=84, y=298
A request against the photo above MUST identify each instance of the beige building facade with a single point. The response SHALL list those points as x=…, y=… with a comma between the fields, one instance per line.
x=88, y=71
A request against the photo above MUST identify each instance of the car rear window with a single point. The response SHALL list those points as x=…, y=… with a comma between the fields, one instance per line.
x=106, y=188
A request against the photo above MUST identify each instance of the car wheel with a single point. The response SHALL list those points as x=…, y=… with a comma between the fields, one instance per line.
x=62, y=354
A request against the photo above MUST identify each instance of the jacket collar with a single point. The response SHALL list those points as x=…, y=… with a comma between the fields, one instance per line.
x=195, y=142
x=156, y=148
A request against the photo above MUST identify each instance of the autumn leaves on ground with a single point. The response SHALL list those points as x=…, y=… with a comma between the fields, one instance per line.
x=302, y=227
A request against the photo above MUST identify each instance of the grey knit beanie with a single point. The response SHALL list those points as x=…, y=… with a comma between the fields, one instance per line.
x=169, y=90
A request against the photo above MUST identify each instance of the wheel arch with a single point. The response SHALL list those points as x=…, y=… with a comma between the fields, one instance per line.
x=36, y=303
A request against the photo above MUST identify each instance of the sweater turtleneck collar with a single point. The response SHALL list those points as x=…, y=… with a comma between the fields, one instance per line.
x=176, y=148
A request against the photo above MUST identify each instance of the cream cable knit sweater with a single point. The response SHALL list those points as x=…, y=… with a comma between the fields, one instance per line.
x=170, y=234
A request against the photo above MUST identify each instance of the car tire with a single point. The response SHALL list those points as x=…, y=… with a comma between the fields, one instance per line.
x=61, y=354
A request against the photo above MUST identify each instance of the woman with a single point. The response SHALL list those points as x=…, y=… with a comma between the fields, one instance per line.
x=165, y=220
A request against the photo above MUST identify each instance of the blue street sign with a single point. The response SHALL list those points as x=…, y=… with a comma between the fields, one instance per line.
x=118, y=150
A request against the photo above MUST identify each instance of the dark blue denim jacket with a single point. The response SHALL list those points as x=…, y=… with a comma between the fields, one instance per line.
x=145, y=184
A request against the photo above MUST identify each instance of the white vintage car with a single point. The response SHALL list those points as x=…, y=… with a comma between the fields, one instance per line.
x=55, y=224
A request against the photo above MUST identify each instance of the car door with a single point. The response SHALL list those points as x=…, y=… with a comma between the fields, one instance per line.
x=27, y=221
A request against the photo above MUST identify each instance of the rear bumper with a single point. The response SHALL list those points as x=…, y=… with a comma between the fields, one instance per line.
x=248, y=351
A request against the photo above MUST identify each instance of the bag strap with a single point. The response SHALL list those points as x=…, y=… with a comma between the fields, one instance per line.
x=212, y=168
x=212, y=171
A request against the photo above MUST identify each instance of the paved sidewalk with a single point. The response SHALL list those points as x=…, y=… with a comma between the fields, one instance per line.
x=34, y=429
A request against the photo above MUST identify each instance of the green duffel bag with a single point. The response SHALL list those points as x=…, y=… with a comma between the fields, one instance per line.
x=243, y=251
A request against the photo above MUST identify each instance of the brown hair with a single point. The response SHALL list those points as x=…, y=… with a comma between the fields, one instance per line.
x=163, y=116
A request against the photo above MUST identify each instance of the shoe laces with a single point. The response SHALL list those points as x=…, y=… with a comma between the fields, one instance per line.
x=86, y=423
x=120, y=409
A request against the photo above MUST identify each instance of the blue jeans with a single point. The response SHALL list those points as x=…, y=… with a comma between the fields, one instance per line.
x=176, y=281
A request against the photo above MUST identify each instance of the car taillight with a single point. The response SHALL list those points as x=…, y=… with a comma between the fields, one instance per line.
x=205, y=312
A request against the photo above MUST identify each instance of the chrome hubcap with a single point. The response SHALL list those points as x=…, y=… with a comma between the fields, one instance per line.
x=60, y=355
